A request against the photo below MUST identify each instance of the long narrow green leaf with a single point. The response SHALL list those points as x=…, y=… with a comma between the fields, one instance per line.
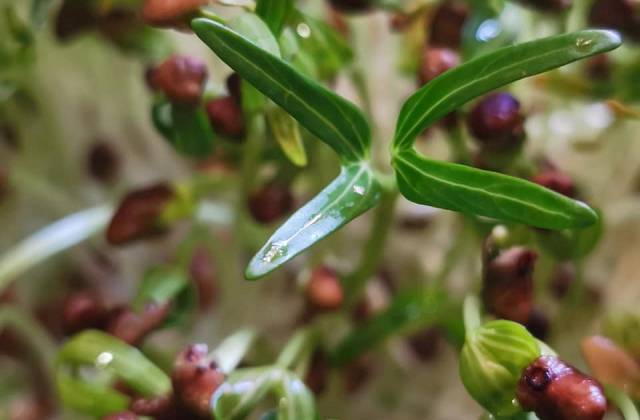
x=274, y=13
x=485, y=73
x=331, y=118
x=105, y=352
x=352, y=193
x=407, y=313
x=469, y=190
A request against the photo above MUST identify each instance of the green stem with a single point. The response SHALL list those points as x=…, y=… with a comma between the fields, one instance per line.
x=35, y=337
x=623, y=402
x=374, y=246
x=452, y=257
x=471, y=312
x=297, y=353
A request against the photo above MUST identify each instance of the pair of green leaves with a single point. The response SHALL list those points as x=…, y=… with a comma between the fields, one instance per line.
x=343, y=127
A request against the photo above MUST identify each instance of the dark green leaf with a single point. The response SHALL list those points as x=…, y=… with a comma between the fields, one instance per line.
x=167, y=285
x=328, y=116
x=407, y=313
x=485, y=73
x=234, y=402
x=186, y=127
x=88, y=398
x=352, y=193
x=106, y=353
x=274, y=13
x=474, y=191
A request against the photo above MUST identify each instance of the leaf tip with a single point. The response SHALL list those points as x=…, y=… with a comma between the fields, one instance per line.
x=584, y=215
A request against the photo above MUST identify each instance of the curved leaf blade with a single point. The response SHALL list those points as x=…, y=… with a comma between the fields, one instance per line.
x=95, y=348
x=485, y=73
x=287, y=133
x=331, y=118
x=352, y=193
x=469, y=190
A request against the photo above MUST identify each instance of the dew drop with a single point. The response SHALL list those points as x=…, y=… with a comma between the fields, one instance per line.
x=303, y=30
x=583, y=44
x=103, y=359
x=276, y=250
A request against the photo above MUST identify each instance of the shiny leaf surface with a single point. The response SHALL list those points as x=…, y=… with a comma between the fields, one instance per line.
x=468, y=190
x=331, y=118
x=352, y=193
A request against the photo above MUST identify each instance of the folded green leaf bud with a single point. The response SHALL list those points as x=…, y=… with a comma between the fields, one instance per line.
x=507, y=287
x=270, y=203
x=496, y=122
x=435, y=61
x=102, y=162
x=172, y=13
x=204, y=273
x=226, y=117
x=324, y=290
x=132, y=327
x=123, y=415
x=622, y=15
x=557, y=181
x=139, y=214
x=82, y=310
x=195, y=378
x=555, y=390
x=447, y=23
x=491, y=363
x=181, y=79
x=548, y=5
x=611, y=364
x=352, y=6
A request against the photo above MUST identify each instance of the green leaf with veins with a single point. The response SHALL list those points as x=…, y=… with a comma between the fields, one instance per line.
x=352, y=193
x=331, y=118
x=469, y=190
x=334, y=120
x=453, y=88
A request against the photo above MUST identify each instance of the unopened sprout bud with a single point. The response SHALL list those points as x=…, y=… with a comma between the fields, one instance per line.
x=324, y=290
x=435, y=61
x=622, y=15
x=139, y=214
x=548, y=5
x=132, y=327
x=557, y=181
x=445, y=29
x=555, y=390
x=611, y=364
x=195, y=378
x=102, y=162
x=270, y=203
x=122, y=415
x=492, y=360
x=496, y=122
x=171, y=13
x=226, y=117
x=181, y=78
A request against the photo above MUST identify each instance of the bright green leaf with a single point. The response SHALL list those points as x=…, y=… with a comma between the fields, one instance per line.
x=107, y=353
x=274, y=13
x=352, y=193
x=186, y=127
x=287, y=132
x=485, y=73
x=469, y=190
x=331, y=118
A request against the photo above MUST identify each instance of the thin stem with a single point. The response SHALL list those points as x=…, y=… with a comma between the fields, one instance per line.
x=623, y=402
x=452, y=257
x=471, y=312
x=297, y=353
x=374, y=246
